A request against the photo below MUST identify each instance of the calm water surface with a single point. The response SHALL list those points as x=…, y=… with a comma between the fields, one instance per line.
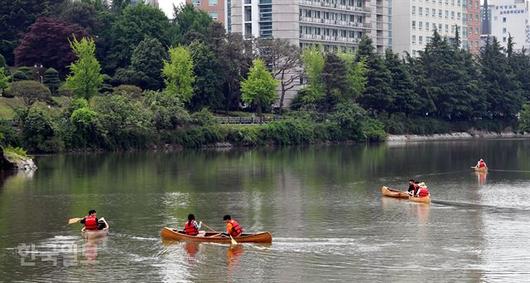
x=322, y=204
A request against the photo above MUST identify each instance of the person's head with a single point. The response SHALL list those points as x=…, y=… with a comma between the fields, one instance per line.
x=227, y=218
x=481, y=160
x=411, y=181
x=191, y=217
x=92, y=212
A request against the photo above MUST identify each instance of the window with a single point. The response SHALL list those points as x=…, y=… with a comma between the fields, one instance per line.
x=413, y=10
x=503, y=30
x=446, y=14
x=212, y=2
x=420, y=25
x=420, y=11
x=420, y=39
x=427, y=25
x=503, y=19
x=213, y=15
x=413, y=25
x=434, y=13
x=413, y=39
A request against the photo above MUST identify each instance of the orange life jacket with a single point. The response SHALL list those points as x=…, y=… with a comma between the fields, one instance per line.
x=236, y=228
x=91, y=223
x=423, y=192
x=190, y=229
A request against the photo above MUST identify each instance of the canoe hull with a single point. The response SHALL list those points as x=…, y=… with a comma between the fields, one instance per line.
x=388, y=192
x=426, y=199
x=95, y=234
x=481, y=170
x=170, y=234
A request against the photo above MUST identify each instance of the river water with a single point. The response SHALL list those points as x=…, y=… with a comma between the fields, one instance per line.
x=322, y=204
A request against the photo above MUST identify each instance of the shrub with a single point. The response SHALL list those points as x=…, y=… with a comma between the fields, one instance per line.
x=524, y=118
x=65, y=91
x=106, y=87
x=204, y=118
x=8, y=134
x=131, y=91
x=245, y=135
x=29, y=91
x=19, y=76
x=289, y=131
x=39, y=133
x=168, y=112
x=51, y=80
x=87, y=129
x=127, y=77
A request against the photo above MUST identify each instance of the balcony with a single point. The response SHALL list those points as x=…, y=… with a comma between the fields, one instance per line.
x=333, y=6
x=334, y=23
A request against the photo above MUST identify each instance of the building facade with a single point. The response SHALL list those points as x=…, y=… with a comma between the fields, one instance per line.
x=332, y=24
x=505, y=18
x=215, y=8
x=414, y=21
x=471, y=29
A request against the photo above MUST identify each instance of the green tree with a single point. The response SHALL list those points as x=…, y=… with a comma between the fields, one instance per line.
x=406, y=100
x=178, y=73
x=2, y=61
x=259, y=88
x=85, y=78
x=335, y=79
x=39, y=130
x=524, y=119
x=148, y=60
x=16, y=17
x=314, y=65
x=499, y=83
x=51, y=80
x=134, y=24
x=208, y=86
x=189, y=24
x=356, y=75
x=4, y=79
x=378, y=95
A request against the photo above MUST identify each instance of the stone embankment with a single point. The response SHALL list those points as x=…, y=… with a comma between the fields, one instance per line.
x=13, y=161
x=454, y=136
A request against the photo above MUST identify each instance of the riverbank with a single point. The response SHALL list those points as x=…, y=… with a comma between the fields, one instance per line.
x=454, y=136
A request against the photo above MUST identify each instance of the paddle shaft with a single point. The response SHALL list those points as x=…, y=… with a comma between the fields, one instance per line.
x=210, y=228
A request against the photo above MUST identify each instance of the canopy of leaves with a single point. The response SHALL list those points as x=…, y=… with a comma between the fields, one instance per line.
x=260, y=87
x=85, y=78
x=29, y=91
x=148, y=58
x=46, y=43
x=178, y=73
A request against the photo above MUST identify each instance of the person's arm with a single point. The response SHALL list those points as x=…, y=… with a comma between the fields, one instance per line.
x=82, y=221
x=229, y=228
x=198, y=225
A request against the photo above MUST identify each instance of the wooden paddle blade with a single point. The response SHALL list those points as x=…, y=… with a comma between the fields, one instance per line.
x=232, y=241
x=74, y=220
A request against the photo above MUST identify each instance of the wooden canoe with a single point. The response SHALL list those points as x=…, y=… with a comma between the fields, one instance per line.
x=95, y=234
x=426, y=199
x=481, y=170
x=388, y=192
x=170, y=234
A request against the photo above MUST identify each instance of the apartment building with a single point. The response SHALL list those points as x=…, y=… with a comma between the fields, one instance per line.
x=414, y=21
x=471, y=29
x=503, y=18
x=332, y=24
x=217, y=9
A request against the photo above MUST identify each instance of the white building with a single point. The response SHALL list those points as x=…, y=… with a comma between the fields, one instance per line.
x=508, y=17
x=414, y=21
x=333, y=24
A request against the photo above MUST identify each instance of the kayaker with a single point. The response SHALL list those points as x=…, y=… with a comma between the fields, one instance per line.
x=232, y=227
x=412, y=187
x=90, y=221
x=423, y=191
x=481, y=164
x=191, y=227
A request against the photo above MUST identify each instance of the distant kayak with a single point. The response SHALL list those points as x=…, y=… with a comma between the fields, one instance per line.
x=388, y=192
x=171, y=234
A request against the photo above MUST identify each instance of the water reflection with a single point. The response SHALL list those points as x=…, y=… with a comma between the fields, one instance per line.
x=191, y=248
x=90, y=249
x=233, y=255
x=481, y=178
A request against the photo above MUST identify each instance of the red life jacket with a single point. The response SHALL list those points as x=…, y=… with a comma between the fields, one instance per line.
x=482, y=164
x=423, y=192
x=91, y=223
x=236, y=228
x=190, y=229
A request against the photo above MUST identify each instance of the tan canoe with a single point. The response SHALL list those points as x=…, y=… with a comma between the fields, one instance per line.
x=388, y=192
x=426, y=199
x=481, y=170
x=170, y=234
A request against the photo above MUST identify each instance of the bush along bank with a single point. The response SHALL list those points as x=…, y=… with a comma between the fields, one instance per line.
x=119, y=122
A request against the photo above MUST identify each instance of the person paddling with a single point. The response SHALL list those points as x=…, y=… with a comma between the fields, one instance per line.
x=481, y=164
x=413, y=187
x=232, y=227
x=91, y=221
x=423, y=191
x=191, y=227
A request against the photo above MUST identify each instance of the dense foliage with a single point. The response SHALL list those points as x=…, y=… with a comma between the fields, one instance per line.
x=135, y=79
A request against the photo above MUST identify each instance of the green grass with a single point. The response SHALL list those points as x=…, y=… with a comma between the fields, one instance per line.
x=8, y=106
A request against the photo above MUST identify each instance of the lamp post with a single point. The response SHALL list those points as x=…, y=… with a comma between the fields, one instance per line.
x=38, y=68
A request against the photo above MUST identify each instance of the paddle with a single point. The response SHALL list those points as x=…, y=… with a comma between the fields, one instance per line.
x=74, y=220
x=232, y=241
